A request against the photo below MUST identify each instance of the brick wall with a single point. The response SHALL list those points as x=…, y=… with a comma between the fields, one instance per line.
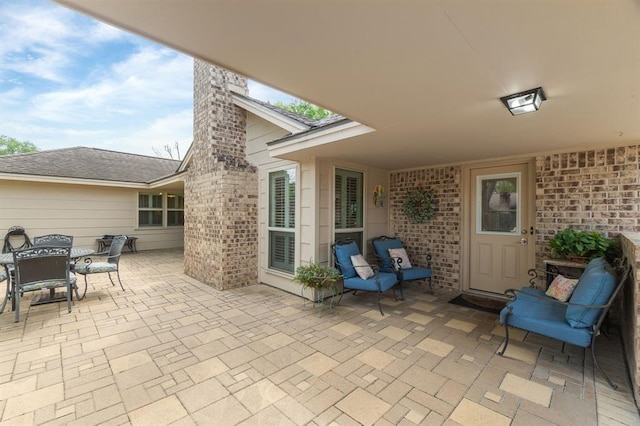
x=440, y=235
x=590, y=190
x=221, y=188
x=630, y=301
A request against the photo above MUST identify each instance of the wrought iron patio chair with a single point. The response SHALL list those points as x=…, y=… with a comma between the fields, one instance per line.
x=392, y=257
x=353, y=278
x=16, y=233
x=57, y=240
x=3, y=277
x=39, y=268
x=110, y=264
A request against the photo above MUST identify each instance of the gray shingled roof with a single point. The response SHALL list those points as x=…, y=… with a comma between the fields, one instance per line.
x=299, y=118
x=89, y=163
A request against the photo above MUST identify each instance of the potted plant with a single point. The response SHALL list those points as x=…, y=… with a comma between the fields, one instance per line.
x=318, y=277
x=578, y=245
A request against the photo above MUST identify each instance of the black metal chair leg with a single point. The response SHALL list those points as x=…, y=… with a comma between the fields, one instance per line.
x=430, y=286
x=84, y=293
x=379, y=305
x=120, y=281
x=506, y=338
x=595, y=361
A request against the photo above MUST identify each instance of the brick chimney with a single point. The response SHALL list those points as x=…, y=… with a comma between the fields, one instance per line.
x=221, y=187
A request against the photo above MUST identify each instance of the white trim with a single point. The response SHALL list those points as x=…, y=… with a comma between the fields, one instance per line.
x=270, y=115
x=479, y=180
x=91, y=182
x=332, y=134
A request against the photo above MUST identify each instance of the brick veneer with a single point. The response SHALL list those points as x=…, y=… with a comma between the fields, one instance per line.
x=440, y=235
x=630, y=323
x=590, y=190
x=597, y=190
x=221, y=188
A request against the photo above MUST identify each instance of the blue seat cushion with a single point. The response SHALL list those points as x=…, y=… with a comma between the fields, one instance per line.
x=343, y=257
x=415, y=273
x=544, y=317
x=382, y=250
x=387, y=280
x=595, y=287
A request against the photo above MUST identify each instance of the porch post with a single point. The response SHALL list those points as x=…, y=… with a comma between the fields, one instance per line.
x=221, y=188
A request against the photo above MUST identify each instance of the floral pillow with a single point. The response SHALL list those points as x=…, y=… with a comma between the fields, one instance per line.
x=399, y=253
x=561, y=288
x=361, y=266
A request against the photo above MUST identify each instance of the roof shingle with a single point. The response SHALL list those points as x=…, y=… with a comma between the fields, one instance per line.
x=89, y=163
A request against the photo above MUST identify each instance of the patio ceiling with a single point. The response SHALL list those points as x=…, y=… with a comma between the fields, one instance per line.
x=427, y=75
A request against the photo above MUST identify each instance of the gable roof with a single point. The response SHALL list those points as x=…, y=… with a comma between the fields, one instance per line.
x=89, y=163
x=306, y=121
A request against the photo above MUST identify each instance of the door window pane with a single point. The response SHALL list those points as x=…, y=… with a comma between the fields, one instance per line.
x=498, y=199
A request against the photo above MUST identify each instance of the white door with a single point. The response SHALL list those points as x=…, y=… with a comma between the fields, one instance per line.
x=501, y=240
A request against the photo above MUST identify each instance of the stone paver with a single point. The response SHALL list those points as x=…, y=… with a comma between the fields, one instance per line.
x=171, y=350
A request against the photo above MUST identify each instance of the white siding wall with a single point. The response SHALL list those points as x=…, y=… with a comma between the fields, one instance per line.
x=259, y=132
x=86, y=212
x=314, y=200
x=376, y=219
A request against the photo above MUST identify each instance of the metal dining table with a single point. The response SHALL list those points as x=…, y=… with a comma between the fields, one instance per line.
x=6, y=260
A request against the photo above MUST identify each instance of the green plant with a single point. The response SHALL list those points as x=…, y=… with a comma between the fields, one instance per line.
x=505, y=187
x=569, y=242
x=316, y=275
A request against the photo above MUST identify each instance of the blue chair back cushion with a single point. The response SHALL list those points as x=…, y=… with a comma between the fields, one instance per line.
x=595, y=287
x=544, y=317
x=382, y=250
x=387, y=280
x=343, y=254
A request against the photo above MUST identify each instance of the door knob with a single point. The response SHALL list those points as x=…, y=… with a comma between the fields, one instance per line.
x=524, y=241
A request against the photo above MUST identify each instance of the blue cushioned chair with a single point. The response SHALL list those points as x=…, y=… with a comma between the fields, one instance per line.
x=388, y=263
x=379, y=282
x=576, y=322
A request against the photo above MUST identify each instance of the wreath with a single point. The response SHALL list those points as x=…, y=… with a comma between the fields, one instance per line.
x=419, y=206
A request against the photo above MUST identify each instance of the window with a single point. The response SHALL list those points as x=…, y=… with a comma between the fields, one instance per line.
x=150, y=209
x=154, y=207
x=282, y=220
x=175, y=209
x=498, y=209
x=348, y=208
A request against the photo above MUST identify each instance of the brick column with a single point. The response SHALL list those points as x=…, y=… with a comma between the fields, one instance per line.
x=221, y=188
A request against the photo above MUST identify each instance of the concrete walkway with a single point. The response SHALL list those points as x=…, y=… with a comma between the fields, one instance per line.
x=171, y=350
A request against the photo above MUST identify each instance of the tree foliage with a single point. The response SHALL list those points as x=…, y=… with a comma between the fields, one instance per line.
x=305, y=109
x=10, y=145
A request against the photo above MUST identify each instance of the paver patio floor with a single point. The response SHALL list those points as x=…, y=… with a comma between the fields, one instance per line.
x=171, y=350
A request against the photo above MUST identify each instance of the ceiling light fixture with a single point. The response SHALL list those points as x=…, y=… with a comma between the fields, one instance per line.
x=524, y=102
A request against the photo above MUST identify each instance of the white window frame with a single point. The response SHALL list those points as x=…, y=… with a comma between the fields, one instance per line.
x=164, y=209
x=292, y=230
x=361, y=230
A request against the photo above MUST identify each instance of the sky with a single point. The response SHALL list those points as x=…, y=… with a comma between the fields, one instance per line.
x=68, y=80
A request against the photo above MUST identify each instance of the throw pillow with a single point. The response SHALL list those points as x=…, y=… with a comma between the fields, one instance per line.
x=561, y=288
x=363, y=269
x=399, y=253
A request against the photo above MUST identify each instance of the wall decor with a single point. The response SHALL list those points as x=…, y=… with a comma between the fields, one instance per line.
x=419, y=206
x=379, y=196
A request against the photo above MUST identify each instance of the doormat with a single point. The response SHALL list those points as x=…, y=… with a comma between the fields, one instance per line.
x=479, y=303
